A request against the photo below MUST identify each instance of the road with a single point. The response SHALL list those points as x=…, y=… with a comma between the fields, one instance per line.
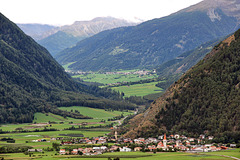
x=120, y=121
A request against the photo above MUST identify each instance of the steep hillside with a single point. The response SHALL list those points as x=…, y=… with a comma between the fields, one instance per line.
x=59, y=41
x=204, y=100
x=185, y=61
x=153, y=42
x=31, y=80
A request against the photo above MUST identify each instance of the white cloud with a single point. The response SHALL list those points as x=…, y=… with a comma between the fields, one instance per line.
x=68, y=11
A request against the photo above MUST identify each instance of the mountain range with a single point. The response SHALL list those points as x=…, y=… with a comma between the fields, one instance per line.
x=154, y=42
x=55, y=39
x=32, y=81
x=204, y=100
x=36, y=31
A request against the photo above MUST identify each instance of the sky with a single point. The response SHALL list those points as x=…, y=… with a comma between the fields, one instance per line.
x=62, y=12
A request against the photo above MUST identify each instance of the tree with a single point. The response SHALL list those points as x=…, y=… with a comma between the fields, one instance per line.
x=55, y=146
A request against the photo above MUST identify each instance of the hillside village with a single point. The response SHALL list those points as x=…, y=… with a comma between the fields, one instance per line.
x=172, y=143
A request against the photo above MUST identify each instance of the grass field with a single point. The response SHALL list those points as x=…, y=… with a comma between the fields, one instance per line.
x=113, y=78
x=139, y=89
x=234, y=153
x=67, y=65
x=129, y=156
x=97, y=114
x=132, y=90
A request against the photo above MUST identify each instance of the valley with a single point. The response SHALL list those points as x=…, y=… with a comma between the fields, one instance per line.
x=129, y=82
x=109, y=88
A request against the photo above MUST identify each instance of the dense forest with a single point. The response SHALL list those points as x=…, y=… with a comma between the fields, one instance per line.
x=209, y=97
x=32, y=81
x=204, y=100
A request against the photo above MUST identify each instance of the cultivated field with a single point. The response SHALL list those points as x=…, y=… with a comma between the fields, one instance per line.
x=142, y=89
x=139, y=89
x=100, y=117
x=132, y=155
x=114, y=78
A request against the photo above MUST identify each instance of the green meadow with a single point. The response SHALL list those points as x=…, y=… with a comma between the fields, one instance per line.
x=96, y=113
x=41, y=119
x=129, y=156
x=67, y=65
x=113, y=78
x=139, y=89
x=142, y=89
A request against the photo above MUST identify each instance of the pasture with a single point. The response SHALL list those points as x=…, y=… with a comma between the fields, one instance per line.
x=128, y=156
x=113, y=78
x=41, y=120
x=139, y=89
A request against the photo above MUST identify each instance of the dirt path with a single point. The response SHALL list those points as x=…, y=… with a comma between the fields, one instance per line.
x=225, y=156
x=230, y=157
x=55, y=117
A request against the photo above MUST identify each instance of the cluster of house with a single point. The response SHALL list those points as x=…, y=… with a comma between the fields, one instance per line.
x=162, y=143
x=94, y=140
x=140, y=72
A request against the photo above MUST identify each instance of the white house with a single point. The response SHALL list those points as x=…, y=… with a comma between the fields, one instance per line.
x=62, y=151
x=125, y=149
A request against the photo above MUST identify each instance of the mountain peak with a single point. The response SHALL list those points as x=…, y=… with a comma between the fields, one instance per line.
x=229, y=7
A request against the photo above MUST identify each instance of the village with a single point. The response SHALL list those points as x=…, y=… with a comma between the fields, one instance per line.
x=171, y=143
x=138, y=72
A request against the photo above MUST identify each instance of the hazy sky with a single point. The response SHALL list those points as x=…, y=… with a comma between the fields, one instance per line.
x=60, y=12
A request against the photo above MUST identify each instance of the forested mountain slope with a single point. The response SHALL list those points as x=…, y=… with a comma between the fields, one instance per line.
x=185, y=61
x=32, y=81
x=204, y=100
x=156, y=41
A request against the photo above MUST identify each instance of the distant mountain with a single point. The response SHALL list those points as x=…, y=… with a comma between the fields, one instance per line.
x=94, y=26
x=32, y=81
x=59, y=41
x=204, y=100
x=67, y=36
x=154, y=42
x=36, y=31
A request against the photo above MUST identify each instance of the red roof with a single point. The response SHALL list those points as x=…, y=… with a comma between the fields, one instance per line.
x=165, y=137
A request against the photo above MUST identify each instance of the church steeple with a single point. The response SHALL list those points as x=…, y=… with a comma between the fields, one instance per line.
x=116, y=137
x=165, y=141
x=165, y=137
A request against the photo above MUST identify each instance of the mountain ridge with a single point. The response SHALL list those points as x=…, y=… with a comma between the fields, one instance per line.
x=58, y=38
x=32, y=81
x=204, y=100
x=150, y=43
